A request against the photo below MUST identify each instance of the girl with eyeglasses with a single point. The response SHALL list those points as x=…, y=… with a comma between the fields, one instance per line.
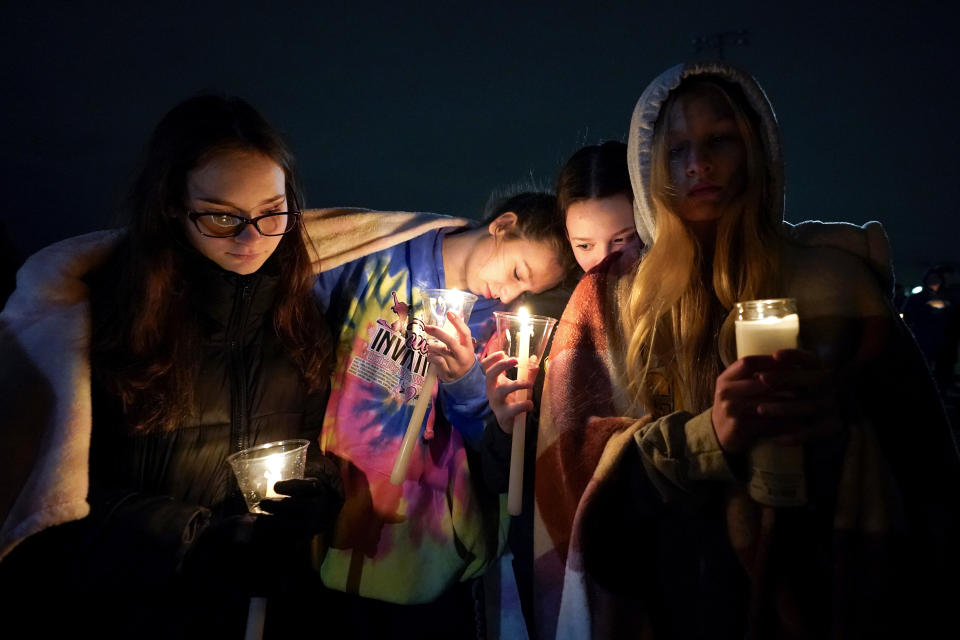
x=155, y=355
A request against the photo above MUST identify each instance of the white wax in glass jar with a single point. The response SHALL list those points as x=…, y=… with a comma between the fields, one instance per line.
x=763, y=337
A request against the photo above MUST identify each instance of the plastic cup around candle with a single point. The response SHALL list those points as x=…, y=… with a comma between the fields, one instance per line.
x=777, y=475
x=525, y=337
x=258, y=468
x=436, y=304
x=509, y=325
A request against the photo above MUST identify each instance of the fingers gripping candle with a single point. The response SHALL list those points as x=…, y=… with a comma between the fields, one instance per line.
x=776, y=470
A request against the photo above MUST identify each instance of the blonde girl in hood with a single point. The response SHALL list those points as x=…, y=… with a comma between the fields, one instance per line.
x=647, y=518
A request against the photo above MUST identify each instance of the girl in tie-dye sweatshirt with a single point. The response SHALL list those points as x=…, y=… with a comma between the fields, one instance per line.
x=410, y=544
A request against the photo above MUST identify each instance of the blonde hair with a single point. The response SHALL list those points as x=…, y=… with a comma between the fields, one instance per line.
x=673, y=319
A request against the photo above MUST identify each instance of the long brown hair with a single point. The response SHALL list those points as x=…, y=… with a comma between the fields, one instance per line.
x=146, y=353
x=674, y=319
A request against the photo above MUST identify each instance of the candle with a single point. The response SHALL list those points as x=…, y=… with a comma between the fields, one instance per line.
x=256, y=617
x=438, y=301
x=515, y=490
x=776, y=471
x=764, y=336
x=409, y=442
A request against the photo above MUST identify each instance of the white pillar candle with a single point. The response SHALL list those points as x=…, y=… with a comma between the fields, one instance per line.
x=515, y=490
x=765, y=336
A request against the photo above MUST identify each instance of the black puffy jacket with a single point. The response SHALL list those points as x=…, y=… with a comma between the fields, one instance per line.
x=248, y=392
x=151, y=495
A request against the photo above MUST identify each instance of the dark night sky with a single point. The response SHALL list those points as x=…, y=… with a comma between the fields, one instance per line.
x=431, y=108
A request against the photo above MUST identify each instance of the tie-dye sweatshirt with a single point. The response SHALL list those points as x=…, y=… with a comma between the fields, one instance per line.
x=404, y=544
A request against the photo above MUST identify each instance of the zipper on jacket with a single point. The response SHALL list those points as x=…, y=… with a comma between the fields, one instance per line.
x=236, y=366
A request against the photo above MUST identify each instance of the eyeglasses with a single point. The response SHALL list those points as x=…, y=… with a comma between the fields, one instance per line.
x=227, y=225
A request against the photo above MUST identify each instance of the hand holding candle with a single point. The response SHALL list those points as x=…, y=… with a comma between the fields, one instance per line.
x=451, y=351
x=524, y=337
x=437, y=303
x=501, y=391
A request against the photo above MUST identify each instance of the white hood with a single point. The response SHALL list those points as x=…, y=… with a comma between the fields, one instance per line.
x=645, y=114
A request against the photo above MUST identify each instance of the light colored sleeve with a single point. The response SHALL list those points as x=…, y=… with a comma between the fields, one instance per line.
x=680, y=451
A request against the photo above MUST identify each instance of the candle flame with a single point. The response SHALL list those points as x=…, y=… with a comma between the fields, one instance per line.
x=272, y=473
x=526, y=327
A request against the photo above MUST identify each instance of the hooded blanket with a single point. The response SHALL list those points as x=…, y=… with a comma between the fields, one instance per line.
x=643, y=527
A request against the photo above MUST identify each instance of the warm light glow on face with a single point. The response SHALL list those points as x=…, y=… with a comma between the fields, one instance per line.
x=237, y=183
x=511, y=267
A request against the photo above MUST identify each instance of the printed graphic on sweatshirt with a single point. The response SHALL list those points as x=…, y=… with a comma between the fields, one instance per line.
x=395, y=354
x=429, y=531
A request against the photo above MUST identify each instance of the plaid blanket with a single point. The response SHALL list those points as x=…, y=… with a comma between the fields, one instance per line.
x=643, y=528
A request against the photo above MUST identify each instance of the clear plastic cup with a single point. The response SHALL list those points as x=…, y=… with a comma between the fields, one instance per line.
x=259, y=468
x=437, y=302
x=510, y=333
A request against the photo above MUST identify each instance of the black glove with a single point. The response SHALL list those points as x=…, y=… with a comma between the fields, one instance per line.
x=240, y=555
x=260, y=554
x=312, y=508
